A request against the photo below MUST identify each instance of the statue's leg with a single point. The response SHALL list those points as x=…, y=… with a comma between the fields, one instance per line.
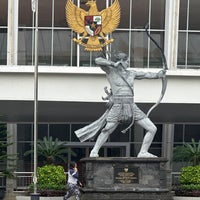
x=102, y=138
x=151, y=129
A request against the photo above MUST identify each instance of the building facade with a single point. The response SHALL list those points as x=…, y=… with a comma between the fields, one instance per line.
x=70, y=86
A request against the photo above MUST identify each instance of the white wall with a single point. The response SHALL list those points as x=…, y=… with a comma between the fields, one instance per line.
x=86, y=85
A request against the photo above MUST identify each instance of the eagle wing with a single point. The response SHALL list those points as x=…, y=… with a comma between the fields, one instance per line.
x=75, y=17
x=110, y=17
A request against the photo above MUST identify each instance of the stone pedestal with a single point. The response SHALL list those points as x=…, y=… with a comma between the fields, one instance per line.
x=125, y=178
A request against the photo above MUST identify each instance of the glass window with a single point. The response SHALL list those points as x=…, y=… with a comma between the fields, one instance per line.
x=125, y=14
x=56, y=46
x=42, y=131
x=3, y=31
x=140, y=13
x=59, y=20
x=183, y=14
x=25, y=46
x=44, y=47
x=87, y=58
x=115, y=152
x=143, y=56
x=158, y=9
x=189, y=30
x=158, y=136
x=45, y=13
x=155, y=60
x=141, y=10
x=194, y=15
x=25, y=13
x=139, y=50
x=185, y=133
x=121, y=41
x=53, y=44
x=118, y=136
x=60, y=131
x=24, y=132
x=192, y=131
x=193, y=57
x=182, y=50
x=4, y=12
x=62, y=47
x=178, y=133
x=80, y=153
x=3, y=46
x=24, y=163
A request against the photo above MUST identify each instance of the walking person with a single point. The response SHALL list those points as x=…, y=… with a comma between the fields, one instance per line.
x=73, y=182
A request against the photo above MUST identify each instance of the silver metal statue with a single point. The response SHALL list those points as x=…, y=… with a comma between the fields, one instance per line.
x=122, y=108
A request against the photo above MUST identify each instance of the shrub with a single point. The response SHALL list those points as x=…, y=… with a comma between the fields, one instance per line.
x=51, y=180
x=190, y=175
x=190, y=182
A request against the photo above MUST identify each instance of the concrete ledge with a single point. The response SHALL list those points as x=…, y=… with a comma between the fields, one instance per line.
x=42, y=198
x=185, y=198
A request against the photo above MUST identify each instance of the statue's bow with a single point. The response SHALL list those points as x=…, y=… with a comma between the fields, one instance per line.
x=165, y=67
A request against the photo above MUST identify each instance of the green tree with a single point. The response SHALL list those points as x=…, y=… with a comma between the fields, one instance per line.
x=7, y=163
x=51, y=150
x=6, y=160
x=189, y=152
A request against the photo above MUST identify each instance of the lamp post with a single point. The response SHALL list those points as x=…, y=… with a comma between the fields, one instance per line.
x=35, y=195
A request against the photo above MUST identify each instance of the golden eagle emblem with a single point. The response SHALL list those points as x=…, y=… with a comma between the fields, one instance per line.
x=92, y=25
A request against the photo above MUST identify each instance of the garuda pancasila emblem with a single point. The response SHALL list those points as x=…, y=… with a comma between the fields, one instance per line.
x=92, y=25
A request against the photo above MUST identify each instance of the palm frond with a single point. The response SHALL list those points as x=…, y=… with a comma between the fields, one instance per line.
x=189, y=152
x=51, y=150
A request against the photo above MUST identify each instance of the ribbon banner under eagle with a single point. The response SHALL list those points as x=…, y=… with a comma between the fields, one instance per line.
x=92, y=25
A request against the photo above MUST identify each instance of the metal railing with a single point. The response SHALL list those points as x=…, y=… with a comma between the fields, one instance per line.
x=23, y=180
x=2, y=181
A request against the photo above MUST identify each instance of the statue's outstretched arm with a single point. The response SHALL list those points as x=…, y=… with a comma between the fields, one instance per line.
x=150, y=75
x=103, y=62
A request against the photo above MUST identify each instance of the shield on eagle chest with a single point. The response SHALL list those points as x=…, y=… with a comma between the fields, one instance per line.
x=93, y=25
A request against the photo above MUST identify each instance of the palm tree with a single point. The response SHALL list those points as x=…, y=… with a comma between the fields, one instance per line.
x=189, y=152
x=51, y=150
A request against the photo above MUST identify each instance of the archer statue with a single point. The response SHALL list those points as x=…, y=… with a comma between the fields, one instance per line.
x=122, y=108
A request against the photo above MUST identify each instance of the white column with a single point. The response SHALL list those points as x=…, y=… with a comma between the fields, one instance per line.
x=171, y=32
x=12, y=44
x=167, y=143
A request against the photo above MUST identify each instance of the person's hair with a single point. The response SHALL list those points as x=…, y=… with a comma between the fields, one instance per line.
x=72, y=164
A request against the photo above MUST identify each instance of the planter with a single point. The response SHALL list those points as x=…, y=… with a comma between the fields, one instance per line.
x=187, y=193
x=52, y=193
